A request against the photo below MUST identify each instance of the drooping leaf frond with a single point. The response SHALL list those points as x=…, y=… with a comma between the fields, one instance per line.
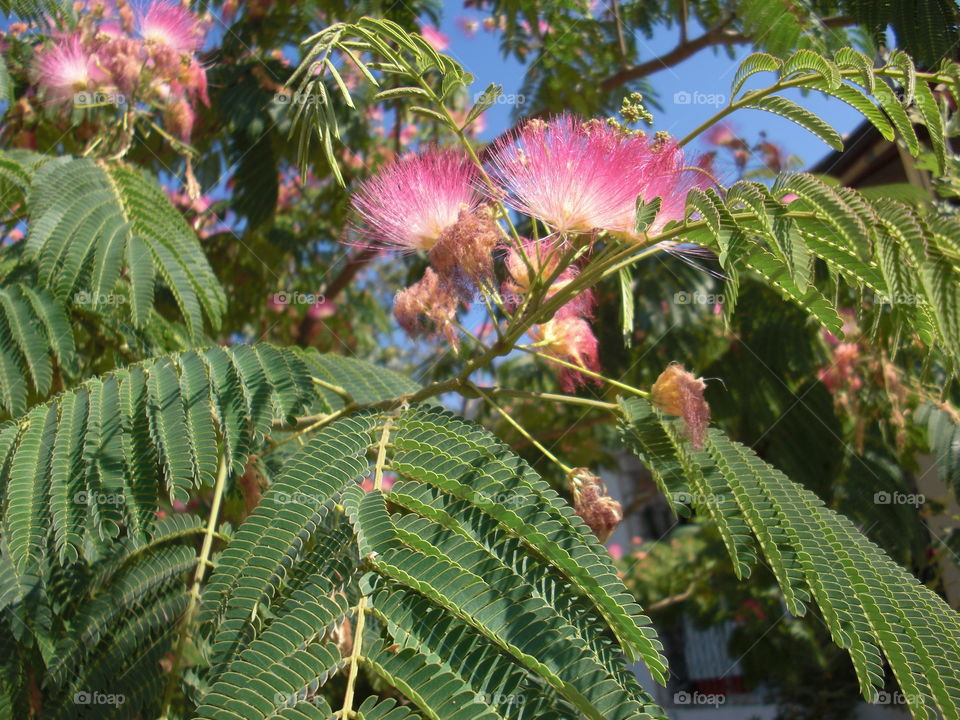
x=875, y=610
x=898, y=257
x=99, y=458
x=100, y=233
x=34, y=333
x=407, y=57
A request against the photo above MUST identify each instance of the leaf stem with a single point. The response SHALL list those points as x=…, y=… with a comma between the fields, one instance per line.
x=519, y=428
x=603, y=378
x=186, y=622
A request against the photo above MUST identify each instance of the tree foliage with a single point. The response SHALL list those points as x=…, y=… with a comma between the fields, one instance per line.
x=264, y=529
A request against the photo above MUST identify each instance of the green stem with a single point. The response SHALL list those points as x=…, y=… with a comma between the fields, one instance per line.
x=603, y=378
x=520, y=429
x=186, y=622
x=550, y=397
x=800, y=81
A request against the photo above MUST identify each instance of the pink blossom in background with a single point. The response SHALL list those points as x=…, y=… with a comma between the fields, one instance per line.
x=123, y=57
x=570, y=339
x=63, y=70
x=321, y=310
x=427, y=308
x=411, y=201
x=178, y=118
x=171, y=25
x=722, y=135
x=194, y=79
x=408, y=133
x=616, y=551
x=468, y=26
x=438, y=41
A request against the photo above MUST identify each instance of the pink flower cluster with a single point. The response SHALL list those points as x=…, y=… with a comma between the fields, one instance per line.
x=581, y=177
x=116, y=56
x=578, y=179
x=428, y=202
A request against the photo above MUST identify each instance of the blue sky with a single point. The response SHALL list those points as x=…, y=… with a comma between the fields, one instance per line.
x=710, y=72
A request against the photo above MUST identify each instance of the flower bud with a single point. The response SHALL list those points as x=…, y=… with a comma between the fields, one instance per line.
x=678, y=392
x=599, y=511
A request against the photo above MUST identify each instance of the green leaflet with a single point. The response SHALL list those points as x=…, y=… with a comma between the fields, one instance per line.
x=471, y=613
x=101, y=233
x=871, y=605
x=114, y=441
x=900, y=255
x=34, y=332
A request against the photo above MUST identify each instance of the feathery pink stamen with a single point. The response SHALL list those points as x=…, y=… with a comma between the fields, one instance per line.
x=411, y=201
x=582, y=177
x=65, y=69
x=171, y=25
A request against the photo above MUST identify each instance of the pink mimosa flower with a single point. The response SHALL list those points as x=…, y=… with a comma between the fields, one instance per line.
x=194, y=78
x=543, y=258
x=438, y=41
x=178, y=118
x=669, y=176
x=572, y=178
x=171, y=25
x=427, y=308
x=65, y=69
x=722, y=134
x=321, y=310
x=123, y=57
x=582, y=177
x=411, y=201
x=570, y=339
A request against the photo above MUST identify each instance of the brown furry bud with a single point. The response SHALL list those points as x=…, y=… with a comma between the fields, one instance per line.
x=678, y=392
x=599, y=511
x=427, y=307
x=463, y=253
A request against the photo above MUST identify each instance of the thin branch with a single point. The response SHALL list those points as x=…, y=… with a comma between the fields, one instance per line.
x=672, y=600
x=203, y=562
x=355, y=652
x=520, y=429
